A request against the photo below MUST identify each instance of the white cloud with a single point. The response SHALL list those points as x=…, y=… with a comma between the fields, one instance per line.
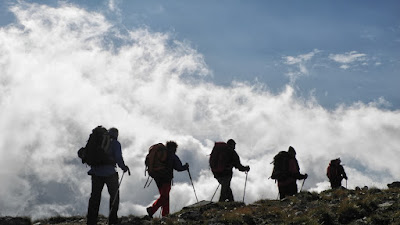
x=299, y=64
x=112, y=5
x=349, y=58
x=301, y=58
x=345, y=66
x=60, y=78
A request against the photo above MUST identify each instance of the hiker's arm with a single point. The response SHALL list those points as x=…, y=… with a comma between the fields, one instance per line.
x=118, y=156
x=178, y=164
x=344, y=173
x=237, y=164
x=294, y=170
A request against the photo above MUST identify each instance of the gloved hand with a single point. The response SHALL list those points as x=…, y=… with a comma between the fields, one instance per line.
x=127, y=169
x=305, y=176
x=186, y=166
x=247, y=168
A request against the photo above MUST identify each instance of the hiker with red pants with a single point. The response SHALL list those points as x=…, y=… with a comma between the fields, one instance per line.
x=164, y=181
x=222, y=160
x=335, y=173
x=288, y=185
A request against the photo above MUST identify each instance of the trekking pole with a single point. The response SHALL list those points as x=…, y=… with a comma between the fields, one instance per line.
x=115, y=198
x=215, y=192
x=190, y=176
x=147, y=181
x=244, y=191
x=147, y=184
x=302, y=184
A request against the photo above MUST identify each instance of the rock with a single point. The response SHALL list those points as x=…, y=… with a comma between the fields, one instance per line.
x=14, y=221
x=190, y=215
x=395, y=184
x=199, y=204
x=385, y=204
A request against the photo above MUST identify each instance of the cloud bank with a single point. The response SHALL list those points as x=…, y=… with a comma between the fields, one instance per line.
x=65, y=70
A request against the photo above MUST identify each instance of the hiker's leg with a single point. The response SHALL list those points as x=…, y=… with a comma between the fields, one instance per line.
x=95, y=198
x=164, y=189
x=112, y=186
x=221, y=196
x=154, y=207
x=229, y=192
x=335, y=183
x=292, y=189
x=165, y=207
x=282, y=192
x=225, y=188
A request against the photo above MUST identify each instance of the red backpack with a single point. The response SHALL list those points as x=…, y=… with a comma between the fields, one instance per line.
x=332, y=170
x=219, y=157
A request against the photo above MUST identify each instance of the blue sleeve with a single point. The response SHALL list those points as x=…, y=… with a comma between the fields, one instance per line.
x=116, y=147
x=178, y=164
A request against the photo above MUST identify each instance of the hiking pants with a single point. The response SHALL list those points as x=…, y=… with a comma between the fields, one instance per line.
x=226, y=191
x=287, y=190
x=163, y=200
x=337, y=183
x=95, y=198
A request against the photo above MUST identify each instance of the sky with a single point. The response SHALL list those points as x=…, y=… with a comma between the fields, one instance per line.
x=319, y=76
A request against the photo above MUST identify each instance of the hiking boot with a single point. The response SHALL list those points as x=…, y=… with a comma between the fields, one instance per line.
x=149, y=212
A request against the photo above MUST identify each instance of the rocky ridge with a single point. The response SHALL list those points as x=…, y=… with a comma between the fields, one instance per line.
x=341, y=206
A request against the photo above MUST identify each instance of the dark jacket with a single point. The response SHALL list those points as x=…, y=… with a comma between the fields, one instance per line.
x=173, y=163
x=294, y=174
x=233, y=160
x=115, y=153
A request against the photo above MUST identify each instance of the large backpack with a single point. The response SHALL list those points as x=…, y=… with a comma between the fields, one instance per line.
x=156, y=160
x=281, y=166
x=332, y=171
x=96, y=152
x=219, y=157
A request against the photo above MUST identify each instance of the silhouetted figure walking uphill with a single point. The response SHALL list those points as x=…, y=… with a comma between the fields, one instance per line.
x=222, y=160
x=287, y=171
x=335, y=173
x=102, y=152
x=160, y=162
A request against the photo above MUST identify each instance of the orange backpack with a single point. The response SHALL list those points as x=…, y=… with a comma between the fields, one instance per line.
x=156, y=160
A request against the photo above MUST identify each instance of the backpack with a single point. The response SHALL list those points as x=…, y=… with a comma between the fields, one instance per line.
x=156, y=160
x=96, y=152
x=219, y=157
x=281, y=166
x=332, y=172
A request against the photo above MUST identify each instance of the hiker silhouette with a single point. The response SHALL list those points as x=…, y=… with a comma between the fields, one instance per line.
x=287, y=179
x=105, y=173
x=222, y=160
x=335, y=172
x=163, y=179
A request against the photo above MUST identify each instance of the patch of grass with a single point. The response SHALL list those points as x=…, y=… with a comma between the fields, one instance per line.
x=348, y=212
x=324, y=216
x=303, y=220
